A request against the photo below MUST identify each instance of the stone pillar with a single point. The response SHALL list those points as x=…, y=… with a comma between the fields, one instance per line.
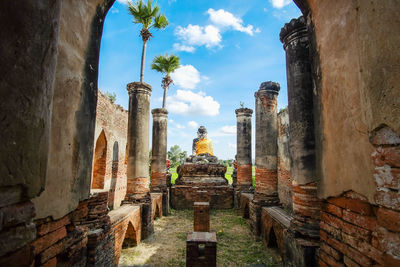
x=243, y=154
x=159, y=156
x=306, y=206
x=266, y=143
x=266, y=191
x=138, y=152
x=138, y=139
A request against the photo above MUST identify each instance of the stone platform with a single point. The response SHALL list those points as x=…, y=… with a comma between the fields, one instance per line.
x=199, y=182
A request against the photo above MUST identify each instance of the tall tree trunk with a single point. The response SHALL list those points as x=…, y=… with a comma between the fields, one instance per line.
x=164, y=97
x=143, y=60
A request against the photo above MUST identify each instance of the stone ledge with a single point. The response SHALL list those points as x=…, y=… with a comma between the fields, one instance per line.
x=122, y=213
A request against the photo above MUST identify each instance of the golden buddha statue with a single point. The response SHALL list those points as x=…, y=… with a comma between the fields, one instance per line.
x=202, y=147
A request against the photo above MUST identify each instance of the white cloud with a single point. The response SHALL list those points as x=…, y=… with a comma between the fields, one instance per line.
x=185, y=48
x=180, y=126
x=189, y=103
x=280, y=3
x=225, y=19
x=186, y=76
x=193, y=124
x=125, y=2
x=114, y=10
x=229, y=130
x=224, y=131
x=232, y=145
x=199, y=35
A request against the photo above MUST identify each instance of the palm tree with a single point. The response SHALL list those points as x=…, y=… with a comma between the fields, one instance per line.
x=149, y=16
x=166, y=64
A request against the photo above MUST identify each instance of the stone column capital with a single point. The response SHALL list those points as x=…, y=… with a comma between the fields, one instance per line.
x=243, y=112
x=267, y=88
x=138, y=87
x=159, y=112
x=295, y=29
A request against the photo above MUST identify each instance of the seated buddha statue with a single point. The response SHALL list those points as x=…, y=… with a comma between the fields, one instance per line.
x=202, y=150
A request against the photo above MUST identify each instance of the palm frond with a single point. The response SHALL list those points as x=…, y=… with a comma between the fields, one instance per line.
x=165, y=63
x=160, y=22
x=146, y=13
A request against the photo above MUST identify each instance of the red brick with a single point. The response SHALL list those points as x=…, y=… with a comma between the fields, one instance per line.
x=52, y=226
x=336, y=233
x=389, y=241
x=390, y=260
x=348, y=251
x=244, y=175
x=387, y=155
x=349, y=262
x=158, y=179
x=50, y=263
x=387, y=177
x=389, y=199
x=46, y=241
x=329, y=260
x=389, y=219
x=344, y=226
x=384, y=135
x=366, y=222
x=354, y=205
x=321, y=263
x=331, y=251
x=364, y=247
x=332, y=209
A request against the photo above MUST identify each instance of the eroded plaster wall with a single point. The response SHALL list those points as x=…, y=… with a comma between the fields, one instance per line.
x=357, y=87
x=113, y=120
x=74, y=106
x=28, y=54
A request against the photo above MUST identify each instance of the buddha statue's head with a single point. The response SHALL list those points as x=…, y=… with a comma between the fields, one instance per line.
x=202, y=132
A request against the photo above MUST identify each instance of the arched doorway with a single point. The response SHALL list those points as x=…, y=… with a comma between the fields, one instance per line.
x=130, y=236
x=100, y=162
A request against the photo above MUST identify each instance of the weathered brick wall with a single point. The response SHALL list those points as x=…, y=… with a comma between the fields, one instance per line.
x=284, y=177
x=354, y=231
x=112, y=119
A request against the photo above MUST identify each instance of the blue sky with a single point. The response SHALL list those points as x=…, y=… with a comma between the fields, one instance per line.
x=227, y=49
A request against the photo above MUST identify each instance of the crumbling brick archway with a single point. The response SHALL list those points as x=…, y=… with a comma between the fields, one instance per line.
x=99, y=162
x=130, y=236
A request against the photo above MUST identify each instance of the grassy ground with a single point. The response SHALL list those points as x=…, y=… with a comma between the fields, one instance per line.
x=228, y=174
x=167, y=247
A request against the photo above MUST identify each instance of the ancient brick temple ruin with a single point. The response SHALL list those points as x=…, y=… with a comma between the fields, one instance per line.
x=74, y=186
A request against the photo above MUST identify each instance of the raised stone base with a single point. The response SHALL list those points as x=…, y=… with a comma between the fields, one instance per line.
x=219, y=197
x=146, y=208
x=201, y=249
x=244, y=204
x=300, y=252
x=165, y=198
x=275, y=223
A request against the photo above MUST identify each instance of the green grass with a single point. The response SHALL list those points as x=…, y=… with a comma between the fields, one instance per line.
x=167, y=246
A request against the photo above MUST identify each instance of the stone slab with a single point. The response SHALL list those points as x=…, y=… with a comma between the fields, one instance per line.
x=219, y=197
